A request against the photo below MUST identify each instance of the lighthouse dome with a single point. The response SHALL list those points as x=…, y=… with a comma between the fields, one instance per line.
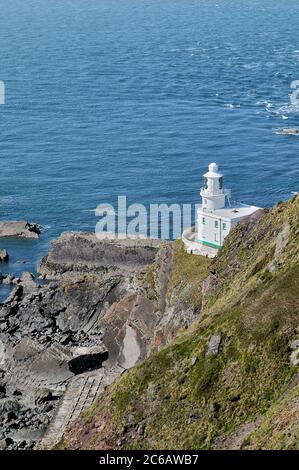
x=213, y=167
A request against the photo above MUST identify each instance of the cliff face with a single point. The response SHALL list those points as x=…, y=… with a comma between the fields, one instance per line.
x=231, y=379
x=101, y=308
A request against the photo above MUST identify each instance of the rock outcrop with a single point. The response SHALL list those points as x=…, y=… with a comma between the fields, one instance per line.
x=213, y=346
x=4, y=256
x=87, y=358
x=101, y=307
x=19, y=228
x=83, y=252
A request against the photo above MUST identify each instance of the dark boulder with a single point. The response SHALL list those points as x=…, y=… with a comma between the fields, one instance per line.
x=86, y=359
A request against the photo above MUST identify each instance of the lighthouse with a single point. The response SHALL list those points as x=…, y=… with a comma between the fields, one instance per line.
x=216, y=216
x=212, y=193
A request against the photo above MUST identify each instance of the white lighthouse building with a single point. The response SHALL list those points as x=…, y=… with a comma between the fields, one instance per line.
x=215, y=216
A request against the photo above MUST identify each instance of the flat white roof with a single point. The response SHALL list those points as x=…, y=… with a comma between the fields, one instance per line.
x=233, y=212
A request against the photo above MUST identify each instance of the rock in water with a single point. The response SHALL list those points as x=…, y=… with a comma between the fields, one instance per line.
x=4, y=256
x=19, y=228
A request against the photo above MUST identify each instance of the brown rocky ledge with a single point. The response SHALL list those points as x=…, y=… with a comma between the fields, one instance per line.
x=19, y=228
x=84, y=252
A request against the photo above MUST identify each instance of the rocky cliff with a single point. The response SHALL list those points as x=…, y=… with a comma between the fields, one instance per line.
x=230, y=380
x=98, y=308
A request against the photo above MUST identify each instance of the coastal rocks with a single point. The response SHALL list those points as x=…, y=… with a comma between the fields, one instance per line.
x=43, y=395
x=15, y=295
x=114, y=324
x=287, y=131
x=2, y=390
x=99, y=310
x=4, y=258
x=49, y=333
x=281, y=242
x=3, y=444
x=8, y=405
x=27, y=282
x=8, y=279
x=19, y=228
x=87, y=358
x=2, y=365
x=214, y=345
x=131, y=350
x=75, y=252
x=210, y=284
x=20, y=426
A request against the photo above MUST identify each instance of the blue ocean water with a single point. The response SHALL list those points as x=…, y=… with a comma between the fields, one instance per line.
x=135, y=98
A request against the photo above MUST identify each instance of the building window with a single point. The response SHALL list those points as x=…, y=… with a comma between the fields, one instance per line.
x=206, y=183
x=216, y=238
x=220, y=183
x=203, y=221
x=216, y=223
x=224, y=226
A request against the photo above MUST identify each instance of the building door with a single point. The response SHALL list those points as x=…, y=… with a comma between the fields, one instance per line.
x=217, y=229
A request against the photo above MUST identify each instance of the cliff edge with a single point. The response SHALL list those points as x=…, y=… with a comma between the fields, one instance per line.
x=230, y=381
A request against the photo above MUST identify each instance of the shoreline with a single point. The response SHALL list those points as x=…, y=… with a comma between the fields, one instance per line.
x=54, y=331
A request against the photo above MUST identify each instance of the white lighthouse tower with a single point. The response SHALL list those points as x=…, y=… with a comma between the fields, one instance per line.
x=215, y=216
x=213, y=195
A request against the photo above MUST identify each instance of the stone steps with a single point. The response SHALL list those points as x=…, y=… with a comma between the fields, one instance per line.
x=86, y=397
x=80, y=394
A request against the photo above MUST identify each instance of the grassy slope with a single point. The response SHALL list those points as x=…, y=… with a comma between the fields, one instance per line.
x=186, y=277
x=181, y=398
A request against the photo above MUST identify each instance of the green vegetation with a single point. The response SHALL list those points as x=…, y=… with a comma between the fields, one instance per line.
x=185, y=281
x=151, y=281
x=244, y=397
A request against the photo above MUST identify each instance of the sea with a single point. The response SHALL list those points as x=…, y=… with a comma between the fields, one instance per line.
x=136, y=97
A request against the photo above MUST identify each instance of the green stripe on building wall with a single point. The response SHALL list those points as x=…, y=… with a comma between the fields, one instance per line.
x=209, y=244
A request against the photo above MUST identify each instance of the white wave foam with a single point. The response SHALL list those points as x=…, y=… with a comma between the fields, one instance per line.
x=288, y=109
x=9, y=199
x=232, y=106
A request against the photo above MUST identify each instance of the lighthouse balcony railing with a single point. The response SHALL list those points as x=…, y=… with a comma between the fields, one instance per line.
x=226, y=192
x=206, y=193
